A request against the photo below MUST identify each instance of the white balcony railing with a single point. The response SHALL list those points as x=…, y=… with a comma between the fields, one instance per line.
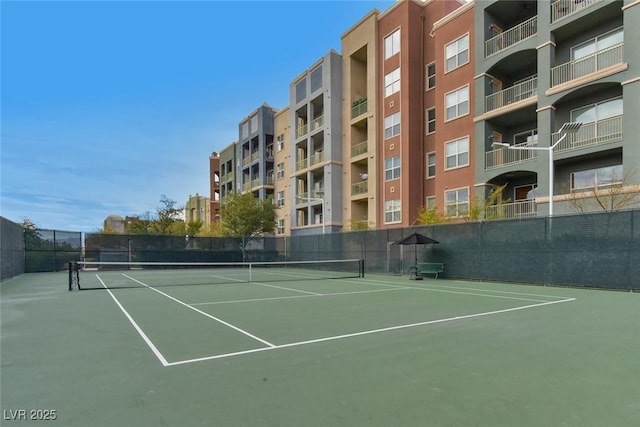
x=515, y=93
x=359, y=107
x=317, y=158
x=301, y=131
x=563, y=8
x=508, y=38
x=594, y=133
x=512, y=210
x=301, y=164
x=587, y=65
x=317, y=123
x=359, y=148
x=503, y=156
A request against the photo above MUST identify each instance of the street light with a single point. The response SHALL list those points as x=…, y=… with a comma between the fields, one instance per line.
x=316, y=199
x=566, y=129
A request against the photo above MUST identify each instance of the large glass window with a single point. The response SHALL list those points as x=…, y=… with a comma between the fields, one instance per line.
x=392, y=211
x=457, y=103
x=594, y=179
x=392, y=44
x=457, y=53
x=392, y=82
x=595, y=44
x=316, y=79
x=598, y=111
x=457, y=202
x=392, y=125
x=392, y=168
x=457, y=153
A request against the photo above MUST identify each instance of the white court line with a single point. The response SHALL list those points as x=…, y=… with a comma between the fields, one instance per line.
x=296, y=296
x=369, y=332
x=146, y=339
x=242, y=331
x=264, y=284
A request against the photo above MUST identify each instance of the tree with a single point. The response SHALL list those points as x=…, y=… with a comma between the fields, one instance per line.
x=168, y=217
x=246, y=215
x=490, y=207
x=358, y=225
x=429, y=216
x=621, y=194
x=193, y=227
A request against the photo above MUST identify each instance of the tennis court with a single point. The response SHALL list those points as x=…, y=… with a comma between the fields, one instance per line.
x=292, y=347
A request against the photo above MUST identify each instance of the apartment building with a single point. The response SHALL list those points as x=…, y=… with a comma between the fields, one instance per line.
x=553, y=81
x=197, y=209
x=283, y=167
x=228, y=162
x=406, y=55
x=214, y=189
x=315, y=103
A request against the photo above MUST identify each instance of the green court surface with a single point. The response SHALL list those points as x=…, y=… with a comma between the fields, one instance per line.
x=373, y=351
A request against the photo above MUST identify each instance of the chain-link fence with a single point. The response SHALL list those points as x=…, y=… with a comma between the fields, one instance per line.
x=594, y=250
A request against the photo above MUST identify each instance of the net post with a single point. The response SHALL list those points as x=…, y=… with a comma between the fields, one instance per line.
x=361, y=267
x=74, y=276
x=70, y=266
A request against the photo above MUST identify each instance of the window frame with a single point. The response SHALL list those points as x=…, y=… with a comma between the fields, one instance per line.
x=391, y=44
x=457, y=54
x=429, y=77
x=458, y=153
x=457, y=105
x=596, y=185
x=431, y=155
x=457, y=203
x=429, y=121
x=392, y=85
x=392, y=166
x=392, y=211
x=394, y=125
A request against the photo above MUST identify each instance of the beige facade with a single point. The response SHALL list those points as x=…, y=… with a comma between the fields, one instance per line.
x=282, y=181
x=197, y=209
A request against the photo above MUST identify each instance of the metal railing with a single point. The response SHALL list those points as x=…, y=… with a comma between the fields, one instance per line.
x=246, y=160
x=359, y=148
x=515, y=93
x=301, y=164
x=359, y=188
x=503, y=157
x=563, y=8
x=590, y=64
x=510, y=37
x=255, y=156
x=594, y=133
x=512, y=210
x=255, y=182
x=359, y=108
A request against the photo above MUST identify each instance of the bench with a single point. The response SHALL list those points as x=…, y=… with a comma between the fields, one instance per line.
x=430, y=268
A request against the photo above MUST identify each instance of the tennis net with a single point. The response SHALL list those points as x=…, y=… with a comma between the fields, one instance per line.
x=107, y=275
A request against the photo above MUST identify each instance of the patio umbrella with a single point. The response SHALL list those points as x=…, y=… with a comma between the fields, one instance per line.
x=416, y=239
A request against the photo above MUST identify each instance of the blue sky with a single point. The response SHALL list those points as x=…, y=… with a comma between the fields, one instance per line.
x=108, y=105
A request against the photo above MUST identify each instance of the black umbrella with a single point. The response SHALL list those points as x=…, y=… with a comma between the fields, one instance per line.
x=416, y=239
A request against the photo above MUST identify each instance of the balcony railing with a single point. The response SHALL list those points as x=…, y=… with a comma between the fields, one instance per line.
x=315, y=196
x=515, y=93
x=301, y=131
x=359, y=188
x=246, y=186
x=359, y=107
x=359, y=148
x=317, y=123
x=512, y=210
x=246, y=160
x=255, y=182
x=588, y=65
x=514, y=35
x=317, y=158
x=503, y=156
x=301, y=164
x=255, y=156
x=594, y=133
x=563, y=8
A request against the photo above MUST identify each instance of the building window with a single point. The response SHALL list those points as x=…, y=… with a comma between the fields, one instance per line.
x=280, y=171
x=431, y=120
x=280, y=142
x=596, y=179
x=392, y=82
x=529, y=137
x=392, y=44
x=431, y=76
x=392, y=211
x=316, y=79
x=457, y=103
x=392, y=168
x=599, y=111
x=457, y=202
x=245, y=130
x=392, y=125
x=280, y=226
x=431, y=203
x=457, y=53
x=253, y=128
x=431, y=165
x=301, y=90
x=280, y=199
x=596, y=44
x=457, y=153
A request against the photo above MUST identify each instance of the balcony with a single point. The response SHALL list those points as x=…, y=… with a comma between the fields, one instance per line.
x=502, y=157
x=590, y=134
x=255, y=156
x=301, y=164
x=520, y=209
x=316, y=158
x=521, y=91
x=359, y=188
x=317, y=123
x=358, y=149
x=587, y=65
x=562, y=8
x=359, y=107
x=523, y=31
x=301, y=131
